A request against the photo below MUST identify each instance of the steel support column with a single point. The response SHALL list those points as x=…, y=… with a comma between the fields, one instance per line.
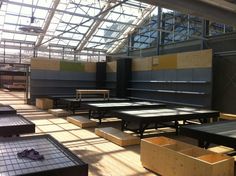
x=205, y=32
x=159, y=22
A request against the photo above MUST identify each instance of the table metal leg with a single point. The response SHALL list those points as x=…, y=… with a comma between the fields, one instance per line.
x=203, y=144
x=122, y=125
x=176, y=127
x=90, y=114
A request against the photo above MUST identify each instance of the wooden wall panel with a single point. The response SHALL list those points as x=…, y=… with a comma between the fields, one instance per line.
x=143, y=64
x=195, y=59
x=164, y=62
x=45, y=64
x=111, y=66
x=72, y=66
x=90, y=67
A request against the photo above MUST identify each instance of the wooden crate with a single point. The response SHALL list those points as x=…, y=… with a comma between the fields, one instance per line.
x=169, y=157
x=44, y=103
x=116, y=136
x=228, y=116
x=221, y=149
x=59, y=112
x=81, y=121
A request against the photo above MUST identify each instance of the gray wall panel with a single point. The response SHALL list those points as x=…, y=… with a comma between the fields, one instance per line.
x=175, y=85
x=46, y=82
x=59, y=75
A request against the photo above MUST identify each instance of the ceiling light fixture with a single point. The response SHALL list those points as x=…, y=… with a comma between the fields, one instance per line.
x=31, y=28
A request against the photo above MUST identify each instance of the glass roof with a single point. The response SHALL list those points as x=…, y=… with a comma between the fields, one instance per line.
x=77, y=25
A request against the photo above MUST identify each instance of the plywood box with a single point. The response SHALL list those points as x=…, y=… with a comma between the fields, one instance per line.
x=59, y=112
x=169, y=157
x=116, y=136
x=44, y=103
x=228, y=116
x=111, y=66
x=143, y=64
x=221, y=149
x=45, y=64
x=81, y=121
x=195, y=59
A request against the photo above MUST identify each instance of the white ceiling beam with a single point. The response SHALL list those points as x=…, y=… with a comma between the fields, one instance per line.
x=93, y=28
x=47, y=22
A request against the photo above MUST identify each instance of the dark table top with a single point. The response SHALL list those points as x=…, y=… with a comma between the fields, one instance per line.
x=166, y=114
x=85, y=100
x=60, y=96
x=14, y=124
x=222, y=132
x=123, y=105
x=6, y=109
x=58, y=160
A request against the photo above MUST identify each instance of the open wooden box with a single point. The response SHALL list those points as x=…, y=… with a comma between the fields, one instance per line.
x=44, y=103
x=169, y=157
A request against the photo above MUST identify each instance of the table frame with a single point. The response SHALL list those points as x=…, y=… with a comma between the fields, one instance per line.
x=10, y=111
x=206, y=138
x=74, y=104
x=144, y=122
x=17, y=130
x=103, y=112
x=80, y=170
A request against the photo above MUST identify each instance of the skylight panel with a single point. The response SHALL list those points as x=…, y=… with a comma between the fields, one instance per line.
x=26, y=11
x=66, y=17
x=40, y=13
x=15, y=9
x=31, y=38
x=19, y=37
x=107, y=25
x=63, y=42
x=62, y=5
x=24, y=20
x=114, y=16
x=61, y=26
x=68, y=35
x=91, y=45
x=88, y=23
x=73, y=43
x=82, y=29
x=52, y=27
x=44, y=3
x=82, y=10
x=9, y=27
x=76, y=19
x=78, y=36
x=11, y=18
x=7, y=35
x=54, y=41
x=100, y=32
x=93, y=11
